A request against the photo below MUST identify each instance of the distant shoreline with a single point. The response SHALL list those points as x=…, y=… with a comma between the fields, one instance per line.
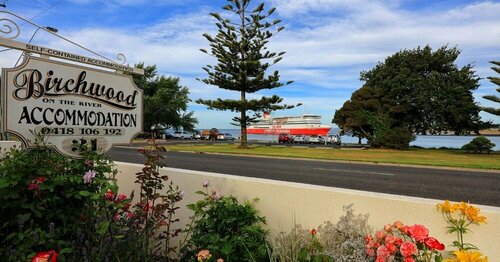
x=490, y=132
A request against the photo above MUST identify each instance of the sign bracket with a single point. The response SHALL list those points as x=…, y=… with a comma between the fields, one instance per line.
x=10, y=31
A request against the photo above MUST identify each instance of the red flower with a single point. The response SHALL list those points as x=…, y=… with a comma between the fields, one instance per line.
x=392, y=248
x=433, y=243
x=408, y=249
x=120, y=198
x=109, y=195
x=314, y=231
x=33, y=187
x=419, y=232
x=45, y=256
x=368, y=239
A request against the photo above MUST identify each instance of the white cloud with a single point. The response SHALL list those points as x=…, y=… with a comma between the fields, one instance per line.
x=328, y=42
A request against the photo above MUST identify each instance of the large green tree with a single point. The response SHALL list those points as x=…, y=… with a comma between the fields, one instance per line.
x=494, y=98
x=423, y=91
x=165, y=101
x=240, y=48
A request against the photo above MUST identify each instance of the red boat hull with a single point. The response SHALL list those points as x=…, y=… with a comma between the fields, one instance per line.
x=320, y=131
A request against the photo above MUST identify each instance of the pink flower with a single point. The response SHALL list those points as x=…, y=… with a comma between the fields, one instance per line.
x=216, y=195
x=419, y=232
x=383, y=252
x=220, y=260
x=408, y=259
x=380, y=234
x=89, y=163
x=370, y=252
x=390, y=239
x=388, y=228
x=408, y=249
x=89, y=175
x=433, y=243
x=121, y=197
x=380, y=259
x=203, y=255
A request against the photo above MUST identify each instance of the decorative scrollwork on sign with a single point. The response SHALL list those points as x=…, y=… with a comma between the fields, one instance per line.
x=121, y=58
x=9, y=28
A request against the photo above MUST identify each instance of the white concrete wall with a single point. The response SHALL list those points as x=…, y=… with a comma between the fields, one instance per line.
x=283, y=202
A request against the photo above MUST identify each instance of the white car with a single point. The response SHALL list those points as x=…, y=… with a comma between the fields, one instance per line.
x=225, y=136
x=300, y=139
x=182, y=135
x=333, y=139
x=316, y=139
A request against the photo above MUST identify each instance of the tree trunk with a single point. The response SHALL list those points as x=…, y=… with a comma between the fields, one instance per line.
x=243, y=121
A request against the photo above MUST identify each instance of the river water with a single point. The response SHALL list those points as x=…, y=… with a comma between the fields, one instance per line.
x=428, y=141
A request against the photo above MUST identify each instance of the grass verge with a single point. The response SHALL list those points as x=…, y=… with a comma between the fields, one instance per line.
x=424, y=157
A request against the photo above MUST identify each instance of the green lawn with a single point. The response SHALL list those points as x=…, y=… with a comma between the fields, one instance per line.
x=427, y=157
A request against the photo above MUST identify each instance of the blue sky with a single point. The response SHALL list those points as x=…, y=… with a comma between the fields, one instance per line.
x=328, y=42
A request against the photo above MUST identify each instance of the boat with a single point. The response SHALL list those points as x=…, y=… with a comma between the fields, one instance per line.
x=306, y=124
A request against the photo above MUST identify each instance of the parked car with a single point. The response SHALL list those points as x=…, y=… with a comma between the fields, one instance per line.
x=300, y=139
x=315, y=139
x=333, y=140
x=285, y=138
x=225, y=137
x=182, y=135
x=168, y=135
x=197, y=136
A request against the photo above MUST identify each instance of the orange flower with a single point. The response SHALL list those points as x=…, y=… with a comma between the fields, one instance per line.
x=462, y=206
x=314, y=231
x=473, y=214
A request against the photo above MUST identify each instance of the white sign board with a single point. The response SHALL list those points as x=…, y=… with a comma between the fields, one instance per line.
x=71, y=105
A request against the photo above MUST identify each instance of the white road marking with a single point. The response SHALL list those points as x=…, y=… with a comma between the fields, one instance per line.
x=354, y=171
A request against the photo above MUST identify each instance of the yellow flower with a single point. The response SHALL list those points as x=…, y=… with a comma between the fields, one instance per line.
x=473, y=214
x=446, y=206
x=467, y=256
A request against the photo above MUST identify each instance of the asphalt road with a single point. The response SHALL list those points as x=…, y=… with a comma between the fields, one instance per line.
x=456, y=185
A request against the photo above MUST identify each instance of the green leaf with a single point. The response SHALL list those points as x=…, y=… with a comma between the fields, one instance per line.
x=102, y=227
x=66, y=251
x=4, y=183
x=84, y=193
x=303, y=254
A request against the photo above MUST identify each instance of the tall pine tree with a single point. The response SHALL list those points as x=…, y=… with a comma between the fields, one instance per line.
x=242, y=62
x=494, y=98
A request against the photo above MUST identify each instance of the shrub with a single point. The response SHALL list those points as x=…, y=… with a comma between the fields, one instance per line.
x=395, y=138
x=478, y=145
x=45, y=198
x=226, y=228
x=53, y=206
x=343, y=241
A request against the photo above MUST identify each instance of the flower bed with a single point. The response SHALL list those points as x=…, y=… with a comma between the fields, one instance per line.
x=99, y=222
